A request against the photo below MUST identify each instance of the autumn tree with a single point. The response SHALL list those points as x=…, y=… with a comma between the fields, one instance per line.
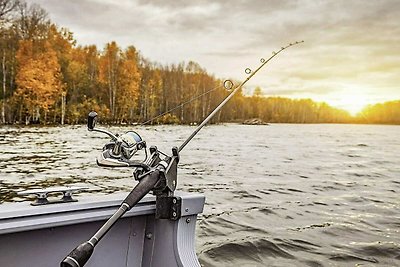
x=384, y=113
x=7, y=44
x=108, y=73
x=6, y=8
x=128, y=85
x=32, y=22
x=38, y=79
x=92, y=68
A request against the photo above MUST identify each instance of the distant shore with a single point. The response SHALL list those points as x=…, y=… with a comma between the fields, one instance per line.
x=192, y=124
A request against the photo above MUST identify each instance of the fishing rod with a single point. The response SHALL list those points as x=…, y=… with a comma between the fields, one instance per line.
x=157, y=172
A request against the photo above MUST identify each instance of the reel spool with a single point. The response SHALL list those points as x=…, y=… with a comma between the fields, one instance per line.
x=132, y=143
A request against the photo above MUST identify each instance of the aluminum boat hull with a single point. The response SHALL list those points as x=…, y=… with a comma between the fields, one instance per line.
x=44, y=235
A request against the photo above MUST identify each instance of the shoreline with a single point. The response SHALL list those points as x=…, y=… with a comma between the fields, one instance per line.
x=176, y=124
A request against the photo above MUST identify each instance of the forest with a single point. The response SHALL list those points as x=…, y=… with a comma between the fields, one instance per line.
x=47, y=78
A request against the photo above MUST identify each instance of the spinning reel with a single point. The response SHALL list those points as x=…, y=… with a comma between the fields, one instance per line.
x=120, y=151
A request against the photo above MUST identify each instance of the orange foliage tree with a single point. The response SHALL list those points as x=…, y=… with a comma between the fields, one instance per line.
x=128, y=85
x=38, y=79
x=108, y=73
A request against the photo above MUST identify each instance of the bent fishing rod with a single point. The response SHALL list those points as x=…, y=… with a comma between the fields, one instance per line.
x=157, y=172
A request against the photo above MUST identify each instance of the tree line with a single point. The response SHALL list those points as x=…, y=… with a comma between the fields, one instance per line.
x=382, y=113
x=47, y=78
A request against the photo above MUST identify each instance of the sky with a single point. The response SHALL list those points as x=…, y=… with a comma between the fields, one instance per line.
x=350, y=56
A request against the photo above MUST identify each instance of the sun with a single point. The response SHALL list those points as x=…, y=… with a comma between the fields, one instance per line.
x=353, y=103
x=352, y=98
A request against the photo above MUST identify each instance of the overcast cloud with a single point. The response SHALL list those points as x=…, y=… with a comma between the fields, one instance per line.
x=352, y=48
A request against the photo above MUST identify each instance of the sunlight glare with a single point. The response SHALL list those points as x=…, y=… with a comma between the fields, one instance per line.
x=352, y=103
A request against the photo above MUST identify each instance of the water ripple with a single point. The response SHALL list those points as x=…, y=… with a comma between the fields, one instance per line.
x=290, y=195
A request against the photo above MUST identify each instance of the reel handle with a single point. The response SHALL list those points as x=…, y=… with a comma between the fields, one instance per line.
x=91, y=123
x=92, y=117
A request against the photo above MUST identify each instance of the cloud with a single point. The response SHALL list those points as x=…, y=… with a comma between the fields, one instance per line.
x=348, y=43
x=300, y=92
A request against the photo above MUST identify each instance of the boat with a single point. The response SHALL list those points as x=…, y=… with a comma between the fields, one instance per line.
x=42, y=235
x=137, y=229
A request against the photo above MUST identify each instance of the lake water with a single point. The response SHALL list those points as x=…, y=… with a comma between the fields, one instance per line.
x=278, y=195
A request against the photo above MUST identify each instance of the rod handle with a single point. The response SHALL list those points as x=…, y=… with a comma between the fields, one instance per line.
x=81, y=254
x=78, y=256
x=146, y=184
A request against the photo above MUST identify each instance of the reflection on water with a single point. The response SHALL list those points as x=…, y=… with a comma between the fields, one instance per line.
x=279, y=195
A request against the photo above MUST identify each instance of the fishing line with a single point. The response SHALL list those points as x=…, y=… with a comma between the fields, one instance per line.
x=182, y=104
x=228, y=85
x=231, y=85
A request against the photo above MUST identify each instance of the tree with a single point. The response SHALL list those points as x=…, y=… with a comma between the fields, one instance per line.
x=128, y=85
x=7, y=7
x=385, y=113
x=92, y=68
x=38, y=79
x=32, y=22
x=108, y=73
x=7, y=44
